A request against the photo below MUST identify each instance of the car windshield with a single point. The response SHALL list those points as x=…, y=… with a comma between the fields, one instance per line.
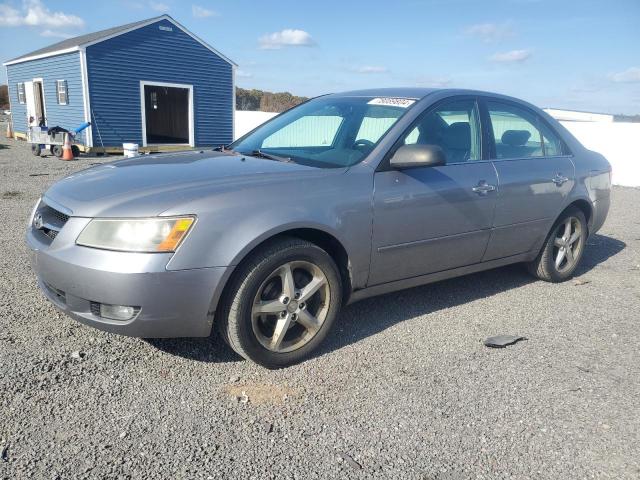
x=327, y=132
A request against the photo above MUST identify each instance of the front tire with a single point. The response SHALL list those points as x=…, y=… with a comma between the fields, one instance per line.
x=281, y=303
x=563, y=248
x=56, y=150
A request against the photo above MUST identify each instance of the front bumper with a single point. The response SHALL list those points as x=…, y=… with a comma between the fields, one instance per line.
x=177, y=303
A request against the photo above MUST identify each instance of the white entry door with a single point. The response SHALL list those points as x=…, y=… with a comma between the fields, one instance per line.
x=34, y=94
x=31, y=104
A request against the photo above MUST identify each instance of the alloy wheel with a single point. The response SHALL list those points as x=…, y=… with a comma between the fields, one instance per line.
x=290, y=306
x=567, y=246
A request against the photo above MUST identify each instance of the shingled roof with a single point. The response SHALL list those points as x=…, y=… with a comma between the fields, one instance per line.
x=76, y=42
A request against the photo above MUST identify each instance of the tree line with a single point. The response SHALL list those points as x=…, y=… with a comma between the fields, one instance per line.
x=4, y=97
x=266, y=101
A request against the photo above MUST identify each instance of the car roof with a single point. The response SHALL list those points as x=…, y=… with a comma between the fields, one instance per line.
x=418, y=93
x=400, y=92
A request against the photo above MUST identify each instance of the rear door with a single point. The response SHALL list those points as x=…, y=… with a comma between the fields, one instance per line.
x=430, y=219
x=535, y=173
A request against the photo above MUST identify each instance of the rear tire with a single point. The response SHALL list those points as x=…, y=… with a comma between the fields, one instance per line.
x=281, y=303
x=75, y=150
x=35, y=149
x=563, y=248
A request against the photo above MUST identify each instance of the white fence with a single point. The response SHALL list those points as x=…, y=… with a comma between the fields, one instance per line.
x=618, y=141
x=246, y=121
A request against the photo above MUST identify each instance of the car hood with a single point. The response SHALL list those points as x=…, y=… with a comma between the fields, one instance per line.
x=150, y=185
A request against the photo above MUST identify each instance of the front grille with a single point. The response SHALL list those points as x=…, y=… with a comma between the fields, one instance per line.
x=50, y=233
x=52, y=221
x=59, y=216
x=95, y=308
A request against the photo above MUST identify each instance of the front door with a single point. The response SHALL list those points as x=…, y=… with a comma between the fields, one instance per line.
x=431, y=219
x=167, y=114
x=30, y=98
x=536, y=177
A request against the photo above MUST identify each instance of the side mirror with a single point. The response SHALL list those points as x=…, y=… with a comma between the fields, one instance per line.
x=413, y=156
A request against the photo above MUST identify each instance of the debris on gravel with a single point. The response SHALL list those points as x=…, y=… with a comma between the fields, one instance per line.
x=502, y=341
x=402, y=387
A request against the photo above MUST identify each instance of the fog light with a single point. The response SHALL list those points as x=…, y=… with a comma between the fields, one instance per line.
x=117, y=312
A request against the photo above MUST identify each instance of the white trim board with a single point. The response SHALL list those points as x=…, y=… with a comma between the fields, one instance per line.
x=233, y=105
x=85, y=97
x=122, y=32
x=143, y=116
x=42, y=55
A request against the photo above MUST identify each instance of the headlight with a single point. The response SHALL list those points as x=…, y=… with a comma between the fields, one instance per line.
x=136, y=235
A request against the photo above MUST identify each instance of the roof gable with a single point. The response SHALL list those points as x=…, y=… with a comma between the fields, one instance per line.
x=82, y=41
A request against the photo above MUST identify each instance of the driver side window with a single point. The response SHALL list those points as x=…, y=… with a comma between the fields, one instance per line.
x=452, y=126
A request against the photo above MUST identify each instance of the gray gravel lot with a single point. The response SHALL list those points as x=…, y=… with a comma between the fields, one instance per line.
x=403, y=388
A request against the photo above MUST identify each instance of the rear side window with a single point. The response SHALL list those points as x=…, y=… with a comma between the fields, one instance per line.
x=553, y=146
x=515, y=131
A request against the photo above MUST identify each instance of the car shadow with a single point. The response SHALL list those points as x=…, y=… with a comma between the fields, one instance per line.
x=371, y=316
x=210, y=349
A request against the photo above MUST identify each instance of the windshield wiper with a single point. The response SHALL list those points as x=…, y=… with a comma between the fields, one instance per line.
x=270, y=156
x=223, y=148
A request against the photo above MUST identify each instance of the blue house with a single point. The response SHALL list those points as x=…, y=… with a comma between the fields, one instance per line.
x=150, y=82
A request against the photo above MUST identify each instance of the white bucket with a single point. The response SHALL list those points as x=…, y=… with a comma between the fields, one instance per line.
x=130, y=149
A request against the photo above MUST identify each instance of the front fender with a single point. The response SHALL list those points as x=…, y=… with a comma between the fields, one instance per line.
x=233, y=223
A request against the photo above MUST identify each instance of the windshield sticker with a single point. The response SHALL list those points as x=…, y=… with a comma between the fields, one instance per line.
x=392, y=102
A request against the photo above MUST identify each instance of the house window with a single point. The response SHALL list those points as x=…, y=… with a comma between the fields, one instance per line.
x=61, y=91
x=22, y=97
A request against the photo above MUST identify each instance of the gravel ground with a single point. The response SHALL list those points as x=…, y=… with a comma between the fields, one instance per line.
x=403, y=388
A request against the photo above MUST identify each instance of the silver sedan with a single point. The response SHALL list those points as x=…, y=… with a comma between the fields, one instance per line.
x=341, y=198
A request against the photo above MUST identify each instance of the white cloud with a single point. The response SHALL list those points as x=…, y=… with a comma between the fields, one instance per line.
x=243, y=74
x=286, y=38
x=490, y=32
x=159, y=7
x=367, y=69
x=200, y=12
x=54, y=34
x=512, y=56
x=35, y=14
x=630, y=75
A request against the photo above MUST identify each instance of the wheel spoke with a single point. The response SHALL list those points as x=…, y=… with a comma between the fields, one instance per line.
x=312, y=287
x=569, y=254
x=567, y=229
x=574, y=237
x=558, y=242
x=288, y=284
x=280, y=331
x=268, y=306
x=560, y=257
x=308, y=321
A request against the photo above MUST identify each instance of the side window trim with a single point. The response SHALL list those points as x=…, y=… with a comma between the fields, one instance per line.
x=491, y=146
x=383, y=166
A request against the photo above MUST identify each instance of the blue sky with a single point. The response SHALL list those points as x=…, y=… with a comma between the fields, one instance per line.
x=579, y=54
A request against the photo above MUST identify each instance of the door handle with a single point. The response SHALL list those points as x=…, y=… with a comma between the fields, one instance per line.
x=483, y=188
x=559, y=179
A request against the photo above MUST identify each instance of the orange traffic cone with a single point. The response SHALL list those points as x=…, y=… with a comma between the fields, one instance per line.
x=67, y=154
x=9, y=130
